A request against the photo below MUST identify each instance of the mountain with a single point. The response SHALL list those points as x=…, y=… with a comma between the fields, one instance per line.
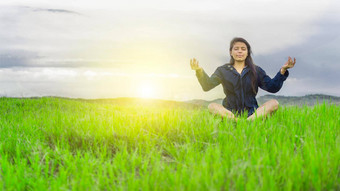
x=145, y=102
x=308, y=100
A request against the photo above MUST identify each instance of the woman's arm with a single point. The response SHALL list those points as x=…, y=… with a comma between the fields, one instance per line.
x=275, y=84
x=206, y=82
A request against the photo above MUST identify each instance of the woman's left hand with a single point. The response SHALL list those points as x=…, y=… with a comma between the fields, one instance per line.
x=289, y=64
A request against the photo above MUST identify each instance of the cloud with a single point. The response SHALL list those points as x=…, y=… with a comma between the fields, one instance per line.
x=172, y=31
x=318, y=60
x=157, y=37
x=17, y=59
x=36, y=9
x=54, y=11
x=26, y=59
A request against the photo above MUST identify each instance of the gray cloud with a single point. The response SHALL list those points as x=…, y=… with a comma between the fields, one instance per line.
x=318, y=58
x=30, y=59
x=57, y=11
x=63, y=11
x=11, y=59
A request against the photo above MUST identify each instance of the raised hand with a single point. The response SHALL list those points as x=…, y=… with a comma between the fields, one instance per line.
x=194, y=64
x=289, y=64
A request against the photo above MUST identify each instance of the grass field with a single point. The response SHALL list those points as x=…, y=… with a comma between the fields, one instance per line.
x=64, y=144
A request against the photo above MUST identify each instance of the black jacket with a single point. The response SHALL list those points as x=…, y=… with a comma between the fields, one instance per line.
x=237, y=87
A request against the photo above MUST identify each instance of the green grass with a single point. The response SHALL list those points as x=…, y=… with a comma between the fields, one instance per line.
x=61, y=144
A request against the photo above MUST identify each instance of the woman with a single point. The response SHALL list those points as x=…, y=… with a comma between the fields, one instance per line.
x=240, y=80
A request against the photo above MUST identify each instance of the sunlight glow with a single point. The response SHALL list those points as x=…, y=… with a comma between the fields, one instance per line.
x=146, y=90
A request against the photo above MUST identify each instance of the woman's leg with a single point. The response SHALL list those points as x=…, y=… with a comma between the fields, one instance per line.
x=266, y=109
x=218, y=109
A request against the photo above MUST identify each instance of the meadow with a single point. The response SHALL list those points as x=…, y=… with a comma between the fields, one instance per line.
x=65, y=144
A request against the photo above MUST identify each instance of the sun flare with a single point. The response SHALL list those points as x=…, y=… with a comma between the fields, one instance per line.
x=146, y=90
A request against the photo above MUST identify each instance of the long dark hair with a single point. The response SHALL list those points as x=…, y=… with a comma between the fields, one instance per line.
x=248, y=62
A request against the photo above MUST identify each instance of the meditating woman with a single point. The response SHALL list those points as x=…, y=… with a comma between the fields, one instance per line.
x=240, y=80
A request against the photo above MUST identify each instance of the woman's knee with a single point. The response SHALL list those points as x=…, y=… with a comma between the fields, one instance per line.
x=274, y=104
x=212, y=106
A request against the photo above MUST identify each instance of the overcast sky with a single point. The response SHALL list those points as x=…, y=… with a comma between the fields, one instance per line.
x=107, y=49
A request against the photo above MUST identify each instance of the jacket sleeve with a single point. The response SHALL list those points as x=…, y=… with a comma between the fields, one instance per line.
x=207, y=82
x=268, y=84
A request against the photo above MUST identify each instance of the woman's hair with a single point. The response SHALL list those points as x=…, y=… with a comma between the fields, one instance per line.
x=248, y=62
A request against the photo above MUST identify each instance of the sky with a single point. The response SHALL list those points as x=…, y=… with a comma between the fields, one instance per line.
x=108, y=49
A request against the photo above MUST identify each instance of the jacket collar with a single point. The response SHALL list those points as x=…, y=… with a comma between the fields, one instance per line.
x=245, y=70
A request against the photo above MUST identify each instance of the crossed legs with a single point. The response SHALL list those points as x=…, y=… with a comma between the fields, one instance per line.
x=218, y=109
x=264, y=110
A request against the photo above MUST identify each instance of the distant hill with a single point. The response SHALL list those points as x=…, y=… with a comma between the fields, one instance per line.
x=309, y=100
x=127, y=101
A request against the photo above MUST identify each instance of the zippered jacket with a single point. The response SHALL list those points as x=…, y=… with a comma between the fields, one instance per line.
x=240, y=96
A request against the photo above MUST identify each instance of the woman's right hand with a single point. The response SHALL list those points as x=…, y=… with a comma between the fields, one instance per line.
x=194, y=65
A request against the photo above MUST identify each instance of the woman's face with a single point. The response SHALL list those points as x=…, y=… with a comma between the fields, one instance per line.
x=239, y=51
